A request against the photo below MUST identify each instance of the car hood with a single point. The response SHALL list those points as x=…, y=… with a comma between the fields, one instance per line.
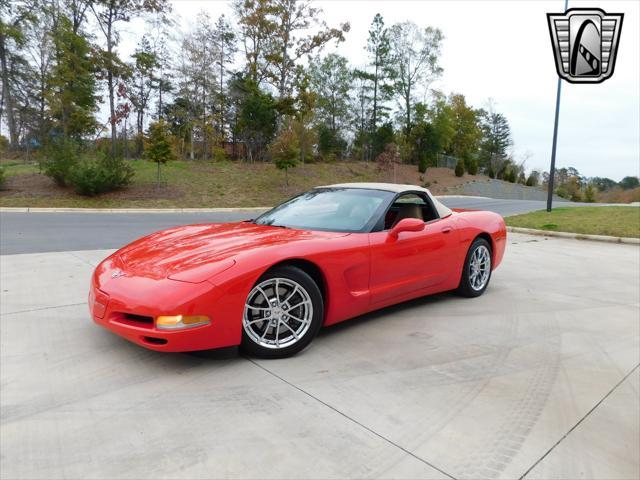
x=195, y=253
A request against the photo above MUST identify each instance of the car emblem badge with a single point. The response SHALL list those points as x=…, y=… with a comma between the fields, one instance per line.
x=585, y=43
x=117, y=273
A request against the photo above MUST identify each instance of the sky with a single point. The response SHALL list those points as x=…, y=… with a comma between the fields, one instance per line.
x=501, y=50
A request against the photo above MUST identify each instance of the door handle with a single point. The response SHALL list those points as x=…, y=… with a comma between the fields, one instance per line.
x=446, y=229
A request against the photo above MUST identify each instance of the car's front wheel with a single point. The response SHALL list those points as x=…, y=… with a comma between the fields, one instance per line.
x=282, y=313
x=476, y=272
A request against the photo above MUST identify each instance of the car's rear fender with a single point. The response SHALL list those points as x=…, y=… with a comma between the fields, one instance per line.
x=488, y=225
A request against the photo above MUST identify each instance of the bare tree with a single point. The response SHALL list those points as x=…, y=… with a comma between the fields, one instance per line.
x=414, y=58
x=109, y=14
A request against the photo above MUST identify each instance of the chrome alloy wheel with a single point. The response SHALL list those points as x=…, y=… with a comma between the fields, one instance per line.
x=479, y=268
x=278, y=313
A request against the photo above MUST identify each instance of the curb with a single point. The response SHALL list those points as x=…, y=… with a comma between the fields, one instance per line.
x=576, y=236
x=131, y=210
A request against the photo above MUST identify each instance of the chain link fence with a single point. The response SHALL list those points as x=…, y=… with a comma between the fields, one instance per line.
x=446, y=161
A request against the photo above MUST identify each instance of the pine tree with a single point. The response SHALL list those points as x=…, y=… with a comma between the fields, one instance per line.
x=71, y=94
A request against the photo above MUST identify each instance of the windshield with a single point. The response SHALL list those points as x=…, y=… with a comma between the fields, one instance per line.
x=332, y=209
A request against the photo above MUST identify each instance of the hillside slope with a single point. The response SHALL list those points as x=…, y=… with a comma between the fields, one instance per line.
x=228, y=184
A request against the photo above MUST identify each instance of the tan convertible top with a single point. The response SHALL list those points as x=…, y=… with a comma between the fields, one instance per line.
x=396, y=188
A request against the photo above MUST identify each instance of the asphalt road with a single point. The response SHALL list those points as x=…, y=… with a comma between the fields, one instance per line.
x=537, y=379
x=59, y=232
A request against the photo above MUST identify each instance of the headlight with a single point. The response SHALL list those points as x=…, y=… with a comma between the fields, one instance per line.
x=177, y=322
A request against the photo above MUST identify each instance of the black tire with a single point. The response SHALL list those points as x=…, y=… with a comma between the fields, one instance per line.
x=466, y=289
x=251, y=346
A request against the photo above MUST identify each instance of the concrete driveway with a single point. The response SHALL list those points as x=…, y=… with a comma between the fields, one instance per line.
x=538, y=378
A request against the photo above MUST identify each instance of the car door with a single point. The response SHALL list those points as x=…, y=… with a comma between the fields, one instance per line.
x=412, y=261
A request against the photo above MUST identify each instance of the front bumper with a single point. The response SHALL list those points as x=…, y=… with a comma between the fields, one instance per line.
x=128, y=306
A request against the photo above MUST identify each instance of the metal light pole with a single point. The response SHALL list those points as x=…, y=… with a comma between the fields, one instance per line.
x=552, y=170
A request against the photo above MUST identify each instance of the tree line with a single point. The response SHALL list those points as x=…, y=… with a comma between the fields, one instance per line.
x=254, y=84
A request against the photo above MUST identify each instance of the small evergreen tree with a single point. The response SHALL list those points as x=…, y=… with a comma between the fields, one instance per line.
x=158, y=146
x=534, y=179
x=590, y=194
x=472, y=167
x=459, y=168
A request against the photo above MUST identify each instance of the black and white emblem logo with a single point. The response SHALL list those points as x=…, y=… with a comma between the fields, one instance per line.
x=585, y=43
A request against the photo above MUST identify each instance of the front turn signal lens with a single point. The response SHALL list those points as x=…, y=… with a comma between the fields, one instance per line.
x=177, y=322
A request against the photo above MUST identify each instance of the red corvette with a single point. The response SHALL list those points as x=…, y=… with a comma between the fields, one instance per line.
x=269, y=284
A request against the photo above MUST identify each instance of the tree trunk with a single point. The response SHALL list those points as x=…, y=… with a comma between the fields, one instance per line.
x=375, y=94
x=221, y=126
x=126, y=142
x=160, y=114
x=204, y=120
x=285, y=59
x=191, y=145
x=8, y=97
x=112, y=106
x=408, y=108
x=1, y=111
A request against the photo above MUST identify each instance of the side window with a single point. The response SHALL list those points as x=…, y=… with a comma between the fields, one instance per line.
x=410, y=205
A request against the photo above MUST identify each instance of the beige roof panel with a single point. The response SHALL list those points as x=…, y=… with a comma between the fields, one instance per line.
x=443, y=211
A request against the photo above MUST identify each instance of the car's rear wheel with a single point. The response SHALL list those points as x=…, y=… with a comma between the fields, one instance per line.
x=282, y=313
x=476, y=272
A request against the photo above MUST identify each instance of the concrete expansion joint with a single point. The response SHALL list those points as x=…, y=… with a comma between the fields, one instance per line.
x=351, y=419
x=622, y=380
x=42, y=308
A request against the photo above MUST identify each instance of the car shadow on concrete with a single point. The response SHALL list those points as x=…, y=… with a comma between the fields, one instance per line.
x=326, y=333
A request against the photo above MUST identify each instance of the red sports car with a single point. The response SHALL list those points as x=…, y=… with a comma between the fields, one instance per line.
x=269, y=284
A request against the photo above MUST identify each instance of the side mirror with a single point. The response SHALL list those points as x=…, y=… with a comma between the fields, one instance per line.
x=407, y=225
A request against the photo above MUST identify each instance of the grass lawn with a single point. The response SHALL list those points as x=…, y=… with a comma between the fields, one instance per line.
x=207, y=184
x=615, y=221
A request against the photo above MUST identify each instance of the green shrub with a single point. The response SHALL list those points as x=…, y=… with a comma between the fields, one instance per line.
x=3, y=178
x=59, y=159
x=491, y=173
x=92, y=177
x=4, y=144
x=562, y=192
x=576, y=196
x=590, y=194
x=459, y=171
x=423, y=163
x=219, y=155
x=472, y=167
